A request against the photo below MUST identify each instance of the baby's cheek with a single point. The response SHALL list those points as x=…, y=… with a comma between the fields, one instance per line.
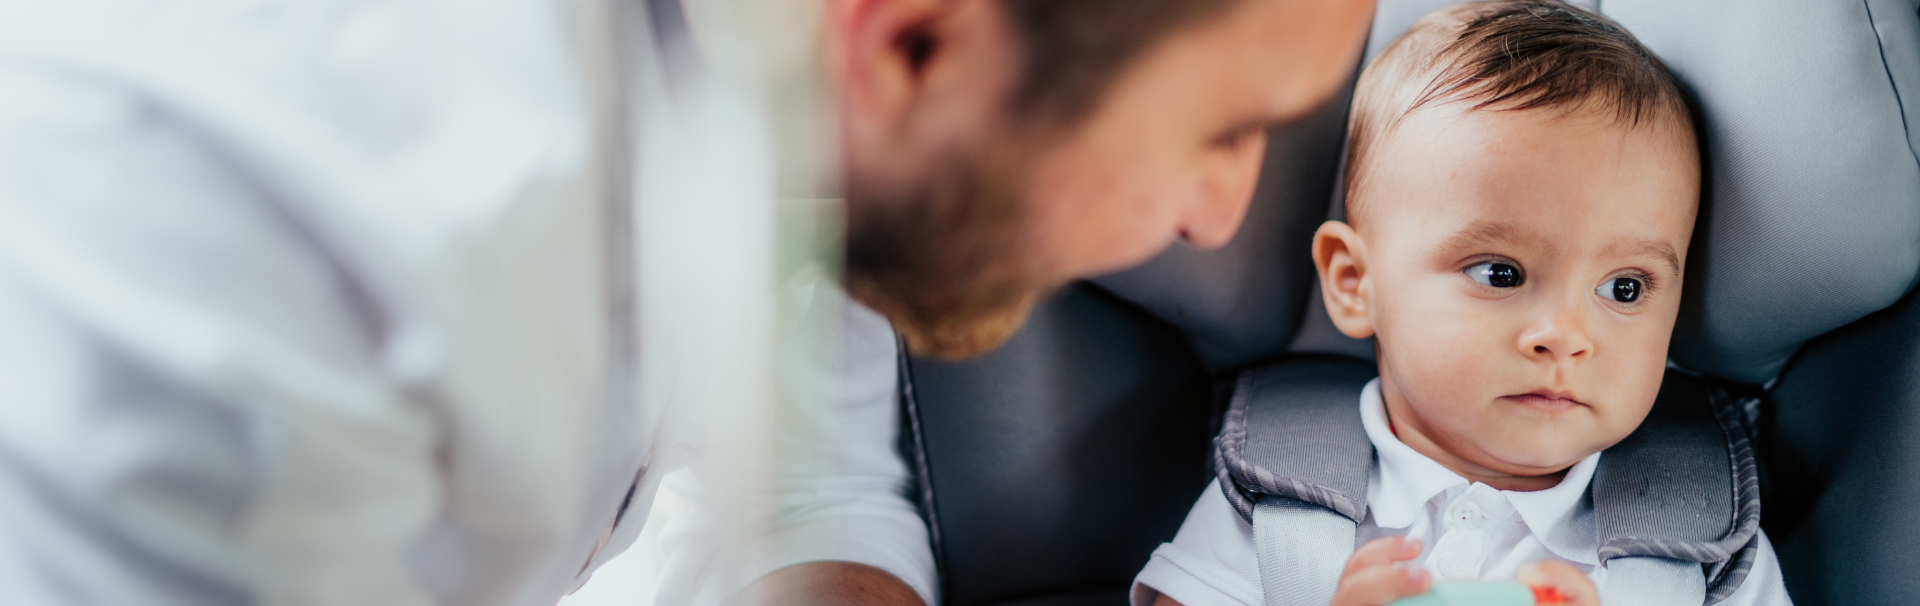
x=1449, y=359
x=1619, y=419
x=1627, y=387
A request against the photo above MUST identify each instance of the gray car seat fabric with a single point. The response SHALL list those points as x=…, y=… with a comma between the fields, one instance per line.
x=1811, y=173
x=1052, y=467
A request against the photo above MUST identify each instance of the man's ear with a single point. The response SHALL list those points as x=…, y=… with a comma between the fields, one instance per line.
x=1341, y=258
x=875, y=46
x=903, y=64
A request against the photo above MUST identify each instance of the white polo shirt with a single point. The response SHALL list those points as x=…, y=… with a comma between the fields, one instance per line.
x=1470, y=530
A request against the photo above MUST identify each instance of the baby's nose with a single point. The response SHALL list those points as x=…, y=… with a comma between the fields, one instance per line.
x=1559, y=337
x=1542, y=349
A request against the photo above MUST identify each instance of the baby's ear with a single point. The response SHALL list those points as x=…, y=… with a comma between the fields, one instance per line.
x=1341, y=258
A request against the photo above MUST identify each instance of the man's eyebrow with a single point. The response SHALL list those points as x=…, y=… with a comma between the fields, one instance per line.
x=1269, y=120
x=1658, y=249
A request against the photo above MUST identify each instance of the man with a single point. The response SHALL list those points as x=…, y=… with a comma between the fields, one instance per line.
x=1077, y=137
x=413, y=302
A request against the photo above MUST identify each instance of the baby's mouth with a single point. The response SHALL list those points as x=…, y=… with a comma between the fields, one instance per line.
x=1546, y=400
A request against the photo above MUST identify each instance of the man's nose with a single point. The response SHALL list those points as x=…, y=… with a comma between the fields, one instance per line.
x=1214, y=227
x=1559, y=334
x=1225, y=190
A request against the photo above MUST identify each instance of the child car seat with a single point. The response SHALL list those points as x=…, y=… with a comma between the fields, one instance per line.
x=1050, y=469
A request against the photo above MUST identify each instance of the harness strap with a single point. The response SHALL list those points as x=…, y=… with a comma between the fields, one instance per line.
x=1680, y=493
x=1302, y=548
x=1653, y=581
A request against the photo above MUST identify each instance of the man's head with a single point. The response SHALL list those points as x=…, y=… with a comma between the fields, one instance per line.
x=1523, y=183
x=996, y=149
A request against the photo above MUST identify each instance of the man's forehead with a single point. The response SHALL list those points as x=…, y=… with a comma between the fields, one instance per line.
x=1268, y=51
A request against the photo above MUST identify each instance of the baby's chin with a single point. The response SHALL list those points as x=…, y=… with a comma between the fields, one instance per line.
x=1518, y=469
x=1532, y=457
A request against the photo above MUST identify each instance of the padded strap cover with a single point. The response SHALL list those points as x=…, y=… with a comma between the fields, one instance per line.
x=1684, y=486
x=1308, y=443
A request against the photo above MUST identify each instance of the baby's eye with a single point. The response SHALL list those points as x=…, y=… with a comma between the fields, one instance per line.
x=1495, y=274
x=1624, y=290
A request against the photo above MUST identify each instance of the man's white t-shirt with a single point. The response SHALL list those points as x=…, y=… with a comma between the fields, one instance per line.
x=1470, y=530
x=839, y=491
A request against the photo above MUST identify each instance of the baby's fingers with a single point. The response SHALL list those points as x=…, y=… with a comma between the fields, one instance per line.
x=1381, y=584
x=1555, y=578
x=1383, y=551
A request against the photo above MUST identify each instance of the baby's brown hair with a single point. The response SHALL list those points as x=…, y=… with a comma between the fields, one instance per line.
x=1508, y=55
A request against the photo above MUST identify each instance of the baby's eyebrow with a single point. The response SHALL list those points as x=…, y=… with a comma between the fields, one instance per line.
x=1484, y=232
x=1657, y=249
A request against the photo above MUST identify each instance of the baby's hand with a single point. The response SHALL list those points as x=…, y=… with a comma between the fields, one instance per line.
x=1372, y=579
x=1554, y=579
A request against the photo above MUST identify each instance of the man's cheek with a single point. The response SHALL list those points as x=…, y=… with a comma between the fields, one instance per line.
x=1090, y=222
x=1102, y=240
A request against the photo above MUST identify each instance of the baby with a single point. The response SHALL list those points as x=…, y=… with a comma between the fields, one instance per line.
x=1522, y=182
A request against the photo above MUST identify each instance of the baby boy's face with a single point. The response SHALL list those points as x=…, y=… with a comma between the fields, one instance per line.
x=1522, y=275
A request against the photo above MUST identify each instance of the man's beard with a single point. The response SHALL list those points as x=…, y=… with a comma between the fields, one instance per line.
x=951, y=263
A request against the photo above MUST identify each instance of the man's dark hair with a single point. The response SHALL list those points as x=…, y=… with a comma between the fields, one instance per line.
x=1076, y=49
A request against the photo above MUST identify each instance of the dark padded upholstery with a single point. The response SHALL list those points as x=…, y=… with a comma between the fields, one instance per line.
x=1057, y=463
x=1841, y=447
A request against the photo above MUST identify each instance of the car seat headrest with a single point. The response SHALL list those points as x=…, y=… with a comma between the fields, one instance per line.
x=1810, y=218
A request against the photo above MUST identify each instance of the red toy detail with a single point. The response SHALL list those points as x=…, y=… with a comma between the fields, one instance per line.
x=1547, y=595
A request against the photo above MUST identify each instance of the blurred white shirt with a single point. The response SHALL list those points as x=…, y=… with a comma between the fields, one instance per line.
x=334, y=302
x=838, y=488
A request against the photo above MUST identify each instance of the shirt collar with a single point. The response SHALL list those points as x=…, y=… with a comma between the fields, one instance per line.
x=1552, y=514
x=1409, y=479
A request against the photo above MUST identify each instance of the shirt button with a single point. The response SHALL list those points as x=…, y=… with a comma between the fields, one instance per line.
x=1466, y=514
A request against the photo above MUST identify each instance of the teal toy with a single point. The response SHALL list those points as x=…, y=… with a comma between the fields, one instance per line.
x=1480, y=593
